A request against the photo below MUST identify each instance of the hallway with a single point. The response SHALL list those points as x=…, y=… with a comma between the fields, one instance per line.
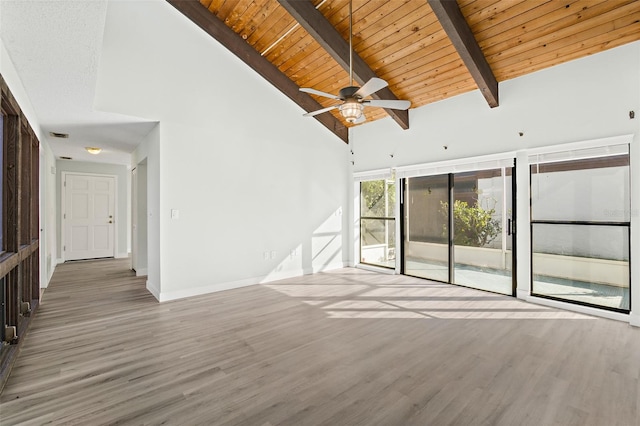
x=344, y=347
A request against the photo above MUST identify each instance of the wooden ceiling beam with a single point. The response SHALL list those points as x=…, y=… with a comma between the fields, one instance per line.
x=451, y=18
x=331, y=41
x=213, y=26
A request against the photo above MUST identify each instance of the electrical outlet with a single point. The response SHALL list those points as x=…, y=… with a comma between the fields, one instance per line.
x=273, y=254
x=265, y=255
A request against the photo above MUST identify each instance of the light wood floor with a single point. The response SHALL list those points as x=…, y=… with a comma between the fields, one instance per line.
x=348, y=347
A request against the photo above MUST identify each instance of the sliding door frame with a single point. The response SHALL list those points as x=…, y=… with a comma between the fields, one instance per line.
x=585, y=223
x=400, y=242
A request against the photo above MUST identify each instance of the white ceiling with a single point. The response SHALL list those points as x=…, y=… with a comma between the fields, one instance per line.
x=55, y=47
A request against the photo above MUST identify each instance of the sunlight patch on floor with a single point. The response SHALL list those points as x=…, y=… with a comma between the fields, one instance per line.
x=402, y=297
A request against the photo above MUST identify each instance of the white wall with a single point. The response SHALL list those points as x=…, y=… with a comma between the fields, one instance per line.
x=148, y=152
x=139, y=218
x=123, y=206
x=246, y=172
x=585, y=99
x=48, y=221
x=47, y=197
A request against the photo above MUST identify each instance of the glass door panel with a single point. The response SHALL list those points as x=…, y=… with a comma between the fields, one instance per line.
x=587, y=264
x=482, y=220
x=377, y=223
x=580, y=223
x=426, y=227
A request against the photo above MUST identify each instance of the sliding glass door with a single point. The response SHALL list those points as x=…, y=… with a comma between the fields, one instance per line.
x=482, y=225
x=458, y=228
x=378, y=223
x=426, y=227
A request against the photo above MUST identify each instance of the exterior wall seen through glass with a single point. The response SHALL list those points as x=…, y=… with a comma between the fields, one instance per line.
x=482, y=241
x=580, y=213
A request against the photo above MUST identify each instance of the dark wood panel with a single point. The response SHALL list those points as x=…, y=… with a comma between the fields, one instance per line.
x=12, y=294
x=24, y=186
x=34, y=208
x=12, y=199
x=19, y=264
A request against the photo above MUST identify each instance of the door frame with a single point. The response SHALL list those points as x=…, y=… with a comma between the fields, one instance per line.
x=139, y=215
x=63, y=204
x=134, y=218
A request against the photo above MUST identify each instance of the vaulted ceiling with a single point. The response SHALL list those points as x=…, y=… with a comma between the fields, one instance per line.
x=427, y=50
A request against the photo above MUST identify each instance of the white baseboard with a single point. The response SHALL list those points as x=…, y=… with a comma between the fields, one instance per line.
x=153, y=290
x=328, y=267
x=59, y=261
x=48, y=278
x=274, y=276
x=121, y=255
x=634, y=319
x=141, y=272
x=378, y=269
x=283, y=275
x=198, y=291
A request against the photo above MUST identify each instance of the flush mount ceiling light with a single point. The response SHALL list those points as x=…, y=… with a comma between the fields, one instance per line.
x=93, y=150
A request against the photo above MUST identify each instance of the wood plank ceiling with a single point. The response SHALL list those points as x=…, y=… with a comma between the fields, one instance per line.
x=405, y=43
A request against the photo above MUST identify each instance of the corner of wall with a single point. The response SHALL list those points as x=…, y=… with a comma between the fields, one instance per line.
x=155, y=291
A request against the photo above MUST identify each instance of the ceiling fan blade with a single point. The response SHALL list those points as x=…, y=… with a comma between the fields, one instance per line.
x=371, y=86
x=320, y=111
x=319, y=93
x=391, y=104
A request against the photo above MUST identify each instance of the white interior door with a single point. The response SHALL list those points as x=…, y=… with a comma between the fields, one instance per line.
x=89, y=217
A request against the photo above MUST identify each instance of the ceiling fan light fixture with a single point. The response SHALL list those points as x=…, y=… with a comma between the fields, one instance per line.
x=351, y=110
x=93, y=150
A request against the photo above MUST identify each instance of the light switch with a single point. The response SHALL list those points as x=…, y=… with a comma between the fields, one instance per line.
x=175, y=214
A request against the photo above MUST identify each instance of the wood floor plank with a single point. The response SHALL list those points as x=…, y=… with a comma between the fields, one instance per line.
x=348, y=347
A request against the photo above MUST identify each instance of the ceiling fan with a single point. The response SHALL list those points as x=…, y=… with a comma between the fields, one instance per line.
x=353, y=97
